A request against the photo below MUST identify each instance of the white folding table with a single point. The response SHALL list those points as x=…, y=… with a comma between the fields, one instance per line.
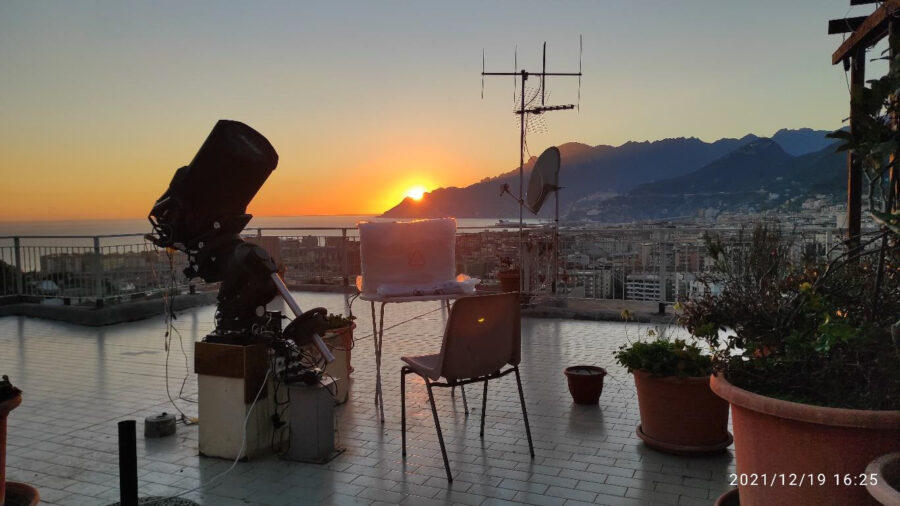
x=378, y=330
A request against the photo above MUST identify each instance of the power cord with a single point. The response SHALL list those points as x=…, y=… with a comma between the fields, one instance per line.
x=237, y=458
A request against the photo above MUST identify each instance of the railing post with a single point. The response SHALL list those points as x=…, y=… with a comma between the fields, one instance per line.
x=344, y=260
x=20, y=289
x=98, y=272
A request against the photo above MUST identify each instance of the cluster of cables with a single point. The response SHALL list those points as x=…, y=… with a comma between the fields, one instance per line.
x=169, y=290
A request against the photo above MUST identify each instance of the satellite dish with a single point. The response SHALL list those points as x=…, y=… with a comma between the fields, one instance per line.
x=544, y=179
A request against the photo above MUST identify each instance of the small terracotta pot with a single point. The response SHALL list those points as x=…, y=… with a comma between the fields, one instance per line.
x=774, y=438
x=585, y=383
x=20, y=494
x=885, y=488
x=681, y=415
x=5, y=407
x=509, y=280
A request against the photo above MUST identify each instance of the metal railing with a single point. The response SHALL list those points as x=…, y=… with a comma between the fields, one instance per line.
x=656, y=264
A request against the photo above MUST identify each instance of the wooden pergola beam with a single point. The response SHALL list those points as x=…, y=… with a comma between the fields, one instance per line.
x=846, y=25
x=873, y=29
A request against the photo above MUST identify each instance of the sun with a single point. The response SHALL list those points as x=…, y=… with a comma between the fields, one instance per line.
x=416, y=192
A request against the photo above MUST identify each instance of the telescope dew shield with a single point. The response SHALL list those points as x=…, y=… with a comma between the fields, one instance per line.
x=224, y=176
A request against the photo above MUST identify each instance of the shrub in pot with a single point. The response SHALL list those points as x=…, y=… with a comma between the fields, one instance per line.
x=679, y=412
x=803, y=353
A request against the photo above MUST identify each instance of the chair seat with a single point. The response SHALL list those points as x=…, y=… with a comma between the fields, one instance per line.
x=425, y=365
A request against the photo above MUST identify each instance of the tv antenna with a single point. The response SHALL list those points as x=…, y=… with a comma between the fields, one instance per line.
x=530, y=108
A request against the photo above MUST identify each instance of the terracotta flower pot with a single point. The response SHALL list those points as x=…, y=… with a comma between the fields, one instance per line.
x=6, y=406
x=730, y=498
x=585, y=383
x=886, y=487
x=681, y=415
x=12, y=493
x=509, y=280
x=20, y=494
x=775, y=439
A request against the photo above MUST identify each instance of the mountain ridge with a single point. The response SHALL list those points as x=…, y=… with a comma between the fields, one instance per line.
x=771, y=179
x=596, y=173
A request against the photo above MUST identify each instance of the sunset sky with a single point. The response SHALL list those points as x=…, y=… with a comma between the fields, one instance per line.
x=100, y=101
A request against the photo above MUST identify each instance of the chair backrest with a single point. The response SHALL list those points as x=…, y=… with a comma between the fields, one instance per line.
x=483, y=334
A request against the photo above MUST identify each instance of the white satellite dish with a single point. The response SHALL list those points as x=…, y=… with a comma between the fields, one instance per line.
x=544, y=179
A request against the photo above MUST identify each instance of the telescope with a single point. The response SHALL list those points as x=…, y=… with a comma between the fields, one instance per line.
x=202, y=214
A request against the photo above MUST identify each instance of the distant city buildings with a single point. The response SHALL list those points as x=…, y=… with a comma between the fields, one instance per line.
x=645, y=262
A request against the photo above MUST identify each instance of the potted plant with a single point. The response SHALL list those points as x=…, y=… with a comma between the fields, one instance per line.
x=11, y=492
x=338, y=335
x=508, y=275
x=585, y=383
x=679, y=412
x=803, y=353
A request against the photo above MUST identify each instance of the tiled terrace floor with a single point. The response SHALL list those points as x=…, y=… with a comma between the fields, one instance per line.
x=79, y=382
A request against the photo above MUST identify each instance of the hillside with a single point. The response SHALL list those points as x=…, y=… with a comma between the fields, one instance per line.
x=759, y=176
x=592, y=174
x=586, y=170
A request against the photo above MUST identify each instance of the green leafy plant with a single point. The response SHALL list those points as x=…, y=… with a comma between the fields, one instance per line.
x=817, y=334
x=664, y=358
x=507, y=264
x=337, y=321
x=661, y=355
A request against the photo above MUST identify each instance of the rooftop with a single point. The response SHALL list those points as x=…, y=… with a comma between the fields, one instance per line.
x=79, y=381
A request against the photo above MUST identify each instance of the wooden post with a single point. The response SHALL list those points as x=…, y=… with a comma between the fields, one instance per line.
x=854, y=163
x=893, y=202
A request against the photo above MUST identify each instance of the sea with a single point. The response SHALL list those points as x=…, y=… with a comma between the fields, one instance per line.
x=142, y=226
x=126, y=231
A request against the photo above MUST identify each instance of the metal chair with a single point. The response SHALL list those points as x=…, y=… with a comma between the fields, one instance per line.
x=483, y=335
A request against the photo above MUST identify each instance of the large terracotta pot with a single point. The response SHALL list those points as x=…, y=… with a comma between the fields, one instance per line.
x=885, y=488
x=681, y=415
x=778, y=440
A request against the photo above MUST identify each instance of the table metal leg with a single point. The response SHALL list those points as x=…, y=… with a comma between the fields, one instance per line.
x=380, y=394
x=375, y=340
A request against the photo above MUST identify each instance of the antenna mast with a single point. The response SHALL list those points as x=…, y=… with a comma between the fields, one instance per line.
x=523, y=112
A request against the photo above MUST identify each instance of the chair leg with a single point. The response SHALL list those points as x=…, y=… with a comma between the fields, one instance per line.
x=437, y=426
x=465, y=402
x=403, y=372
x=483, y=406
x=524, y=411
